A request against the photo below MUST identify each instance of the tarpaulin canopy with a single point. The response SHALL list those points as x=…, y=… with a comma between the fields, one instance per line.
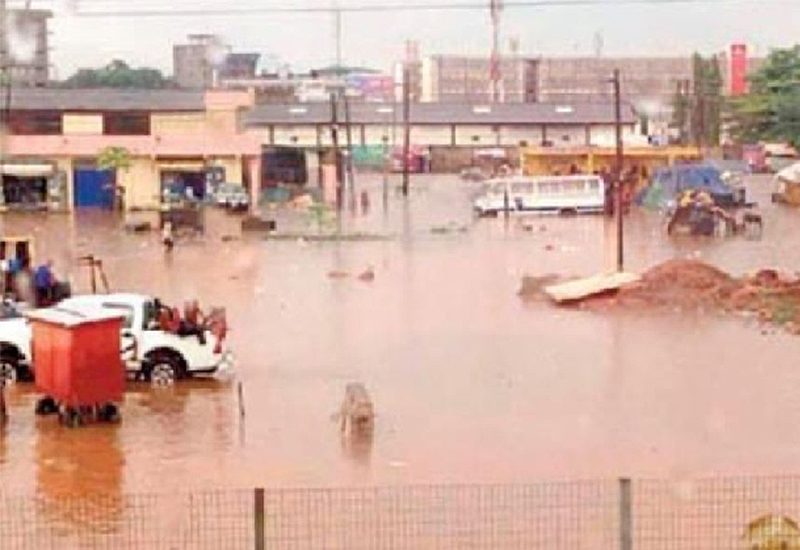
x=668, y=183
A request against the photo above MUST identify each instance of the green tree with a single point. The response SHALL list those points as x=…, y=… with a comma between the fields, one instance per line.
x=771, y=109
x=117, y=74
x=681, y=107
x=697, y=111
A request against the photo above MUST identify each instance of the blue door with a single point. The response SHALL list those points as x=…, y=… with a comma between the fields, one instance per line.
x=93, y=188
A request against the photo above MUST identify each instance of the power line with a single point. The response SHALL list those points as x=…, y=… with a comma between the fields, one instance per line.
x=377, y=8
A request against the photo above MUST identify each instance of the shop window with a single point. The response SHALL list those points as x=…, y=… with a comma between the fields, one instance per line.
x=126, y=124
x=35, y=123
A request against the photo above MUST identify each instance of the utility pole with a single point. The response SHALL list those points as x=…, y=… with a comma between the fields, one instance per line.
x=406, y=126
x=618, y=170
x=349, y=167
x=495, y=7
x=5, y=63
x=337, y=21
x=337, y=159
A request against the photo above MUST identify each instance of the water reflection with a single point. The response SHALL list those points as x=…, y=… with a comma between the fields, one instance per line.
x=357, y=444
x=79, y=476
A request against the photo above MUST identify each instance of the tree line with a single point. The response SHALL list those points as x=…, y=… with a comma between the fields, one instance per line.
x=769, y=111
x=117, y=74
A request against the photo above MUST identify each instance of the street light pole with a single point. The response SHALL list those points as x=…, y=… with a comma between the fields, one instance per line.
x=406, y=126
x=618, y=170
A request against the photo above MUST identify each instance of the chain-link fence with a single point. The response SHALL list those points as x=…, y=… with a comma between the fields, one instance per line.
x=736, y=513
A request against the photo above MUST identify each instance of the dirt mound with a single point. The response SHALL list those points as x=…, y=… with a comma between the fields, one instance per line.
x=679, y=284
x=687, y=274
x=686, y=285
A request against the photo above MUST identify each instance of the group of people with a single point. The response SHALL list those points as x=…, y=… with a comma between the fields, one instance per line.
x=39, y=287
x=192, y=322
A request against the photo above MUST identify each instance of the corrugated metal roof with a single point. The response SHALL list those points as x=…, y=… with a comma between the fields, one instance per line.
x=441, y=113
x=106, y=99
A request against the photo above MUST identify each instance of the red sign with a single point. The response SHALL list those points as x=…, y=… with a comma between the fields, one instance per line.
x=738, y=69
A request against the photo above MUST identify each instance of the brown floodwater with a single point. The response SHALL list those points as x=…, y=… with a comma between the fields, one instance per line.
x=470, y=384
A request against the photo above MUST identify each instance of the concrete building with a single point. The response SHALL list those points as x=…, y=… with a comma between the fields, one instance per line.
x=195, y=64
x=239, y=66
x=649, y=83
x=25, y=49
x=447, y=135
x=727, y=64
x=465, y=79
x=414, y=80
x=173, y=137
x=448, y=125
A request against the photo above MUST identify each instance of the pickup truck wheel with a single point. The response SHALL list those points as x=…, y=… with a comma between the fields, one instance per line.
x=165, y=370
x=8, y=369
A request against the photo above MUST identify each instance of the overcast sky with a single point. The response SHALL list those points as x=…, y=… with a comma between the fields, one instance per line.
x=376, y=39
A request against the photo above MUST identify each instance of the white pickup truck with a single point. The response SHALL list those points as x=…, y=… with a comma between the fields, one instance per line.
x=149, y=353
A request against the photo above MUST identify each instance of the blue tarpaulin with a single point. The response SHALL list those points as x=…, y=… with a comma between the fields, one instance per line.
x=668, y=183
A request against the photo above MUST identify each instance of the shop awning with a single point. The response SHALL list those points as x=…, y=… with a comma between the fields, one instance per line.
x=33, y=170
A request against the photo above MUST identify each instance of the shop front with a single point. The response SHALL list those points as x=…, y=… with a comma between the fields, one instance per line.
x=182, y=179
x=34, y=185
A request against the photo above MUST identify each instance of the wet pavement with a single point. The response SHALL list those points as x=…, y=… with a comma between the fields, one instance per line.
x=470, y=384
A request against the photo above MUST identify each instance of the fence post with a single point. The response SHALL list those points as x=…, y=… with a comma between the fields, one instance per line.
x=625, y=515
x=258, y=518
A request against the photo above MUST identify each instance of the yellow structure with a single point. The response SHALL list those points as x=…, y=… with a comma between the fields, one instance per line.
x=563, y=160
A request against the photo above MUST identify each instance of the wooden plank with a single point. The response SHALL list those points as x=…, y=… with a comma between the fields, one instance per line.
x=579, y=289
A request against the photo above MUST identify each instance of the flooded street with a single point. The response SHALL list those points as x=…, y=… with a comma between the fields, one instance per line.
x=470, y=383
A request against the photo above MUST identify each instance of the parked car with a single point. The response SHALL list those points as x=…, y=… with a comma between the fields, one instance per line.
x=233, y=196
x=149, y=352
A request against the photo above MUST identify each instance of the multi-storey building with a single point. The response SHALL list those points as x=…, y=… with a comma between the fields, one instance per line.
x=172, y=137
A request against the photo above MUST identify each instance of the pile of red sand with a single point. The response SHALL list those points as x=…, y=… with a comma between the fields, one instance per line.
x=686, y=285
x=679, y=284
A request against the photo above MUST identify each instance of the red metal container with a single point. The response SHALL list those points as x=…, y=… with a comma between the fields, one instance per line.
x=76, y=356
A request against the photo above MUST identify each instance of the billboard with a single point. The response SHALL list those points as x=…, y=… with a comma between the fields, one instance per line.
x=371, y=87
x=738, y=69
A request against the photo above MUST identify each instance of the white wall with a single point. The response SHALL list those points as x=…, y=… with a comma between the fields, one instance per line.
x=431, y=135
x=485, y=134
x=306, y=136
x=567, y=135
x=606, y=136
x=512, y=135
x=373, y=134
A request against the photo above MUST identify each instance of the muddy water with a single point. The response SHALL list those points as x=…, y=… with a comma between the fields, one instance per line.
x=469, y=383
